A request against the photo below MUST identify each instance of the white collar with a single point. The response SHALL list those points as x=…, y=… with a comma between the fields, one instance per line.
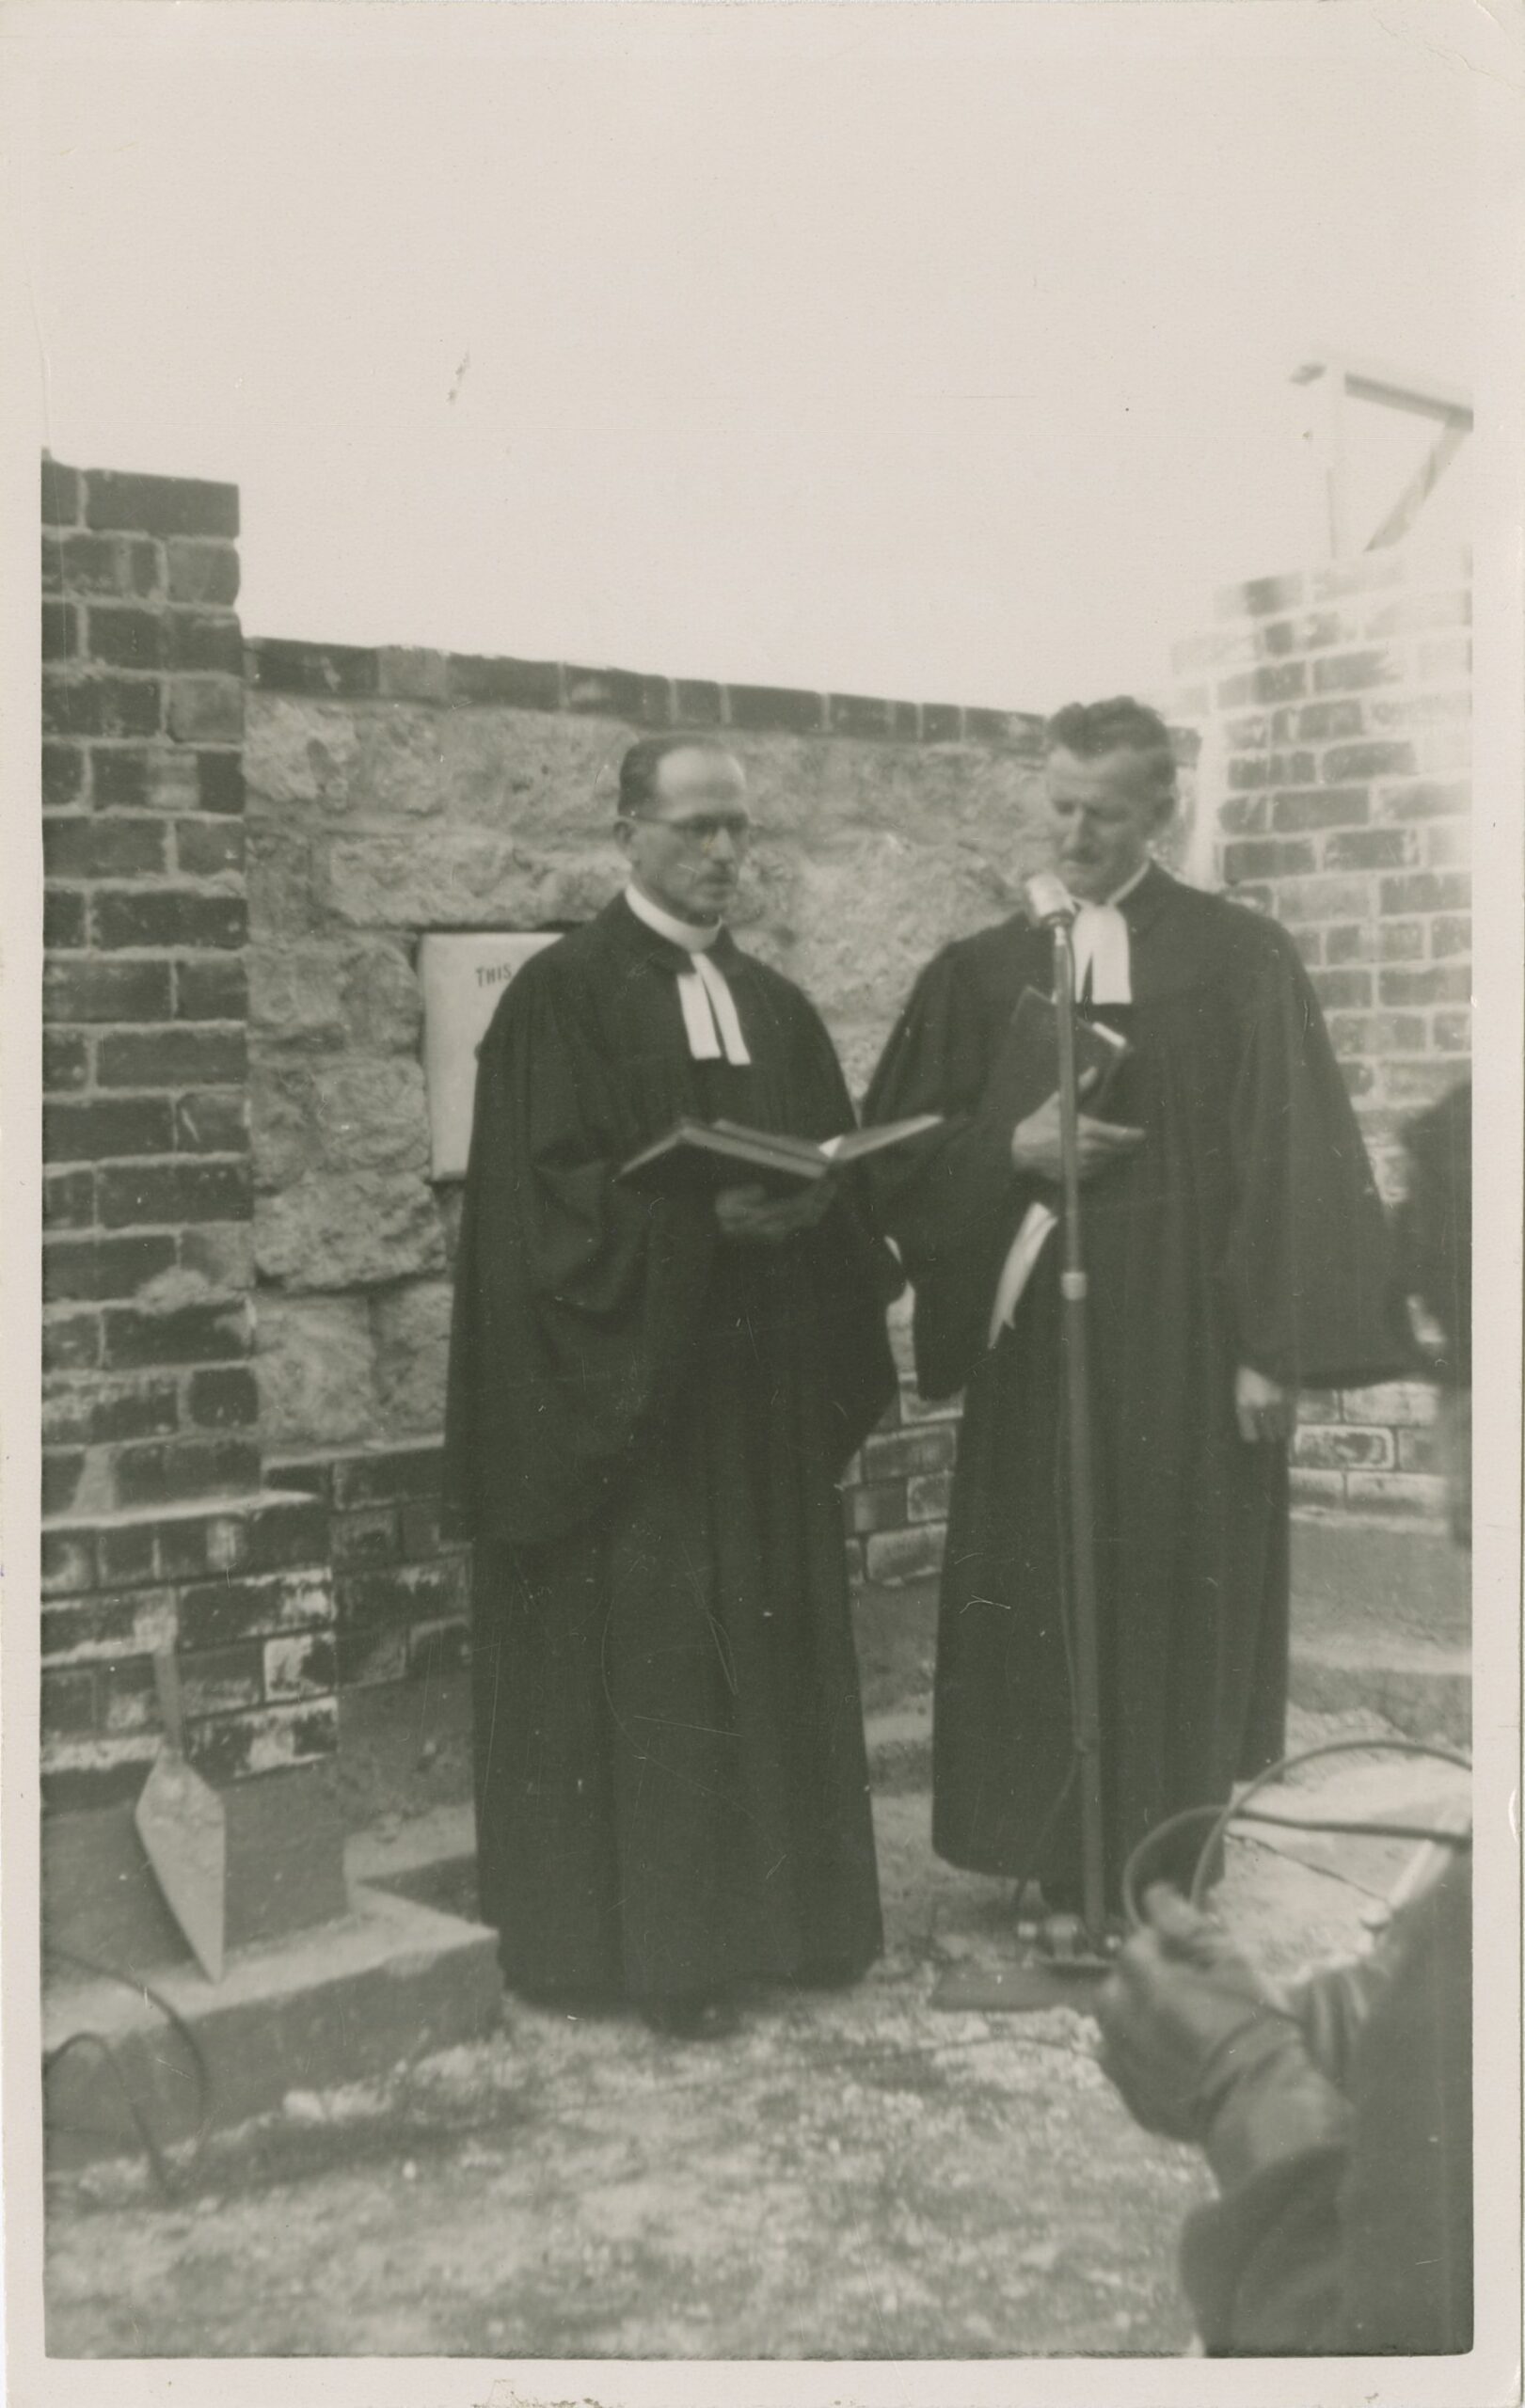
x=663, y=923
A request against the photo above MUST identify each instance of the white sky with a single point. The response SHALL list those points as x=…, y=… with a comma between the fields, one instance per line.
x=940, y=353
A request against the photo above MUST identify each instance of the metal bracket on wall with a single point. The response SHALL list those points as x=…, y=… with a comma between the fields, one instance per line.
x=1447, y=408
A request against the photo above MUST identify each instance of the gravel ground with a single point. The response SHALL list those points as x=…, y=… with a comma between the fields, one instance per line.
x=856, y=2175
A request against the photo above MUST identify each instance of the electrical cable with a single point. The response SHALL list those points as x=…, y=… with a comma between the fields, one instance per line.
x=1236, y=1806
x=170, y=2179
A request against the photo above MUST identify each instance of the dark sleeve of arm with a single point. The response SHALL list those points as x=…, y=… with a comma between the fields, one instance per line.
x=950, y=1200
x=1307, y=1263
x=573, y=1295
x=1345, y=2228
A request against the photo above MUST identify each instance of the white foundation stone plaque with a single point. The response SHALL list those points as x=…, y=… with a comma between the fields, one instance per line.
x=462, y=978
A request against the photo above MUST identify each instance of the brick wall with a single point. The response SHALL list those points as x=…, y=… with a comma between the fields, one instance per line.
x=1335, y=709
x=155, y=1528
x=147, y=1264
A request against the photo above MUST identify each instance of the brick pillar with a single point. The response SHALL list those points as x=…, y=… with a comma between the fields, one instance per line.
x=148, y=1261
x=155, y=1523
x=1339, y=699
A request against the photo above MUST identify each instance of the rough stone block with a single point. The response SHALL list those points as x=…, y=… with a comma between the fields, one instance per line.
x=358, y=1229
x=315, y=1363
x=299, y=751
x=283, y=1123
x=372, y=1115
x=411, y=1328
x=294, y=995
x=463, y=874
x=380, y=998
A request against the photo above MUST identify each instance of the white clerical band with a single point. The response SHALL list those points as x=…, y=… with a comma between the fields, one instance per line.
x=710, y=1013
x=1103, y=968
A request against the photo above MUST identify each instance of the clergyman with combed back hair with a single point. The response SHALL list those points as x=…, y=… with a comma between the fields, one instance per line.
x=1234, y=1246
x=651, y=1398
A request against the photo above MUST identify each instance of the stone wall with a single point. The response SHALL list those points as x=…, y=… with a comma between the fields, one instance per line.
x=1334, y=706
x=391, y=793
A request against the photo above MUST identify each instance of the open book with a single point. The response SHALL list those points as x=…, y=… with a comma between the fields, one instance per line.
x=723, y=1153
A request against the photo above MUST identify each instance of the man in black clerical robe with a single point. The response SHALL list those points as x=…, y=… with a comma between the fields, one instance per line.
x=652, y=1398
x=1235, y=1250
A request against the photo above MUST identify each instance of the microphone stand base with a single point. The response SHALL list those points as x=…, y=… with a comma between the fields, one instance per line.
x=1061, y=1966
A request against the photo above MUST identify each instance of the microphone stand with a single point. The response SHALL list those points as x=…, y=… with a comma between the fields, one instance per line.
x=1082, y=1500
x=1069, y=1951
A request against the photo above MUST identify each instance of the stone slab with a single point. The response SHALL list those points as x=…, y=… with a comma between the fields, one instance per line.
x=1425, y=1692
x=1352, y=1576
x=391, y=1980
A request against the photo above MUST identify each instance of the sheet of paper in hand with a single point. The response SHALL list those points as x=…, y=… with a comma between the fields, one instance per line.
x=1026, y=1069
x=723, y=1153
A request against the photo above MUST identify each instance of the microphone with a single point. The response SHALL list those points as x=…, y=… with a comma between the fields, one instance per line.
x=1050, y=903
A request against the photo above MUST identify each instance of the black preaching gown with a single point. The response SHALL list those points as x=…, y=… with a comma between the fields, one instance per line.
x=1245, y=1230
x=645, y=1429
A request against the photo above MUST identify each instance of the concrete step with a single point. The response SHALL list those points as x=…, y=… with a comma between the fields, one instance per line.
x=1424, y=1690
x=1381, y=1581
x=343, y=2000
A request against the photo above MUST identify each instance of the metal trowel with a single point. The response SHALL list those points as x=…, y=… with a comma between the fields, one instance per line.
x=183, y=1827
